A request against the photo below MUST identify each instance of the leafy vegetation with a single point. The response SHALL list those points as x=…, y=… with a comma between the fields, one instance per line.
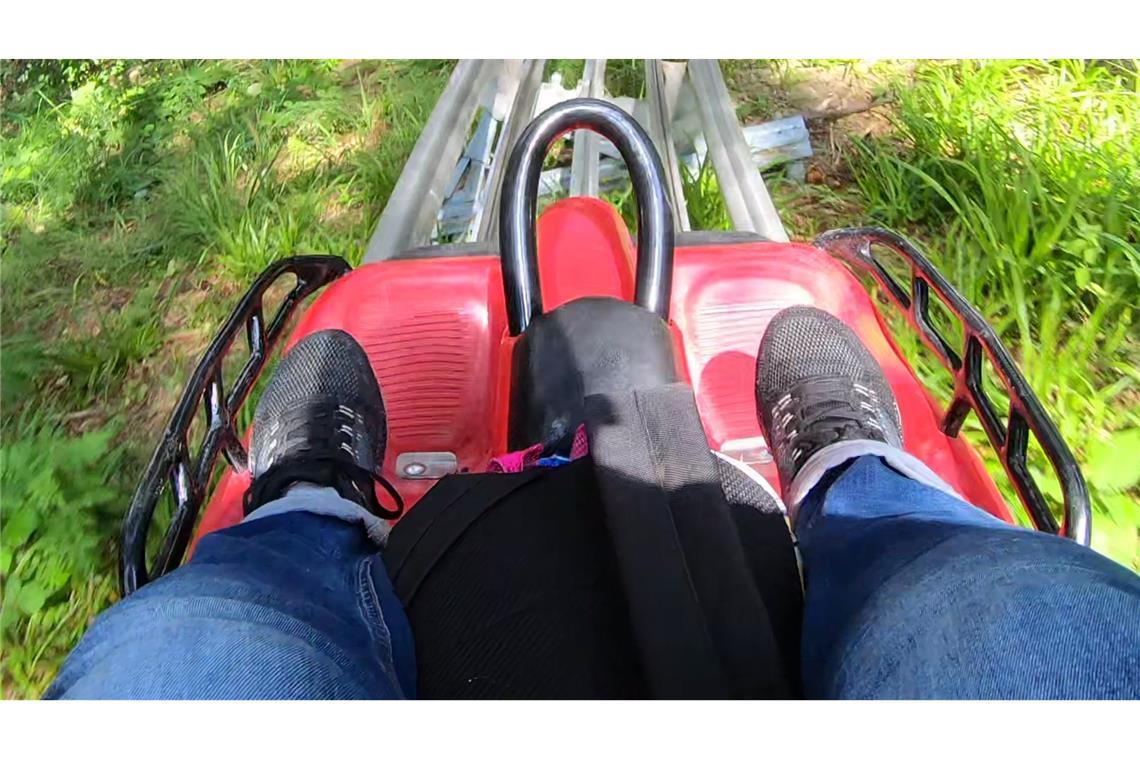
x=1021, y=179
x=139, y=198
x=1024, y=179
x=624, y=77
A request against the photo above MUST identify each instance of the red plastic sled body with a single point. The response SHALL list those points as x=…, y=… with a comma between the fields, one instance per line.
x=435, y=330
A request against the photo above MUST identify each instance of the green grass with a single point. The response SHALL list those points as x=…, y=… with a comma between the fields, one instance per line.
x=703, y=200
x=623, y=76
x=1022, y=181
x=139, y=199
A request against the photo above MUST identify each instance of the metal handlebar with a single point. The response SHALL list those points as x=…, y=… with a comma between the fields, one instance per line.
x=654, y=279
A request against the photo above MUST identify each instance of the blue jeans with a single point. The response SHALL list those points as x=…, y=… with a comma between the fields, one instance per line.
x=909, y=593
x=291, y=605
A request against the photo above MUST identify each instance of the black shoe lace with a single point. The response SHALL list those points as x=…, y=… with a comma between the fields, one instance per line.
x=824, y=410
x=325, y=458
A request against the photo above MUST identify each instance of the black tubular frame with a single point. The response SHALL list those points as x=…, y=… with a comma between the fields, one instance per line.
x=654, y=281
x=171, y=463
x=965, y=363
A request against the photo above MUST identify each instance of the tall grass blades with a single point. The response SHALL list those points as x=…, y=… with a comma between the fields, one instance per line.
x=1024, y=176
x=139, y=199
x=703, y=199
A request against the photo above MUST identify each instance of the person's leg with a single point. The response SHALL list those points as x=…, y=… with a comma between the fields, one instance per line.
x=912, y=593
x=292, y=605
x=294, y=602
x=909, y=591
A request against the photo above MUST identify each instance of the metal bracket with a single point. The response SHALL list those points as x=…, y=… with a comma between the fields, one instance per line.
x=413, y=207
x=745, y=195
x=662, y=87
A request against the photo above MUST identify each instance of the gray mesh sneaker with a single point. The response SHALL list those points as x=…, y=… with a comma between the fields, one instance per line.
x=817, y=385
x=321, y=420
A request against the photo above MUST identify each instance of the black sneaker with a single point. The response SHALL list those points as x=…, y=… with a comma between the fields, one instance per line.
x=321, y=420
x=818, y=385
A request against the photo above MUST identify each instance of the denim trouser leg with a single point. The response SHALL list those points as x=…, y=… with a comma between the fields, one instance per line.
x=911, y=593
x=294, y=603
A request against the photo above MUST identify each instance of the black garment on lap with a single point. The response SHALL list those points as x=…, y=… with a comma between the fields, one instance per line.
x=510, y=587
x=543, y=585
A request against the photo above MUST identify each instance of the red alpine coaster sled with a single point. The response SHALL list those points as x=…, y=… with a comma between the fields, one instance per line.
x=445, y=326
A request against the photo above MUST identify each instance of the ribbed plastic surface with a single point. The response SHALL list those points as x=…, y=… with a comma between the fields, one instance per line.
x=426, y=398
